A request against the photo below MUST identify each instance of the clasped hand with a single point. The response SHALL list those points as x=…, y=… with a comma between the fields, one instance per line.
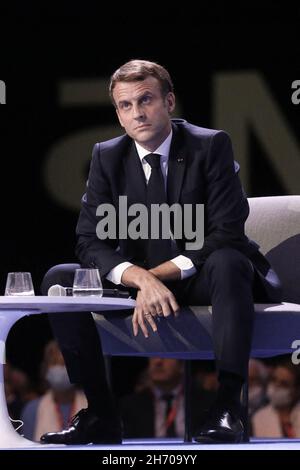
x=153, y=300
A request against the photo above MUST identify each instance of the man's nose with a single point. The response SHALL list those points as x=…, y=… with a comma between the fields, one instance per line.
x=137, y=111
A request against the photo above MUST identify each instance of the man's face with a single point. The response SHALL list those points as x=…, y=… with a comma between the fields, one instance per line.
x=144, y=112
x=165, y=371
x=282, y=389
x=283, y=378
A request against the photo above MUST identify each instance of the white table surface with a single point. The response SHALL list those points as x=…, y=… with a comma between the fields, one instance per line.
x=15, y=307
x=64, y=304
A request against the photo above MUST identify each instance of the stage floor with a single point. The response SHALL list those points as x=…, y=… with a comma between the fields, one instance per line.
x=177, y=445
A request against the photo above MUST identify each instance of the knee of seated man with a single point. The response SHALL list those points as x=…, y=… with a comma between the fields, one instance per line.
x=227, y=259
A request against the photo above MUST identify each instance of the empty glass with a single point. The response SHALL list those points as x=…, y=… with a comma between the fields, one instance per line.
x=87, y=282
x=19, y=284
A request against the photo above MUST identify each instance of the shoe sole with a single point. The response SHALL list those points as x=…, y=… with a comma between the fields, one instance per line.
x=211, y=440
x=102, y=442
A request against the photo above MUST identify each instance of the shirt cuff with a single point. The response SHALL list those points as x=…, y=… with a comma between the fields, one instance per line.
x=115, y=274
x=185, y=265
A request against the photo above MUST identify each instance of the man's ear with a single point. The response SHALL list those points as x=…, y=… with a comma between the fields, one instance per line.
x=120, y=120
x=170, y=101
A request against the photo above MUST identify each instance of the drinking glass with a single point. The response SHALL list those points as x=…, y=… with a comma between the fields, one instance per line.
x=87, y=282
x=19, y=284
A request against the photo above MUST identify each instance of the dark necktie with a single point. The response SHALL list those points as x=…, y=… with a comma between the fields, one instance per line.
x=169, y=419
x=158, y=250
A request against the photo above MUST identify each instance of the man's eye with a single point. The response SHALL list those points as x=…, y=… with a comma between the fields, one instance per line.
x=125, y=105
x=146, y=99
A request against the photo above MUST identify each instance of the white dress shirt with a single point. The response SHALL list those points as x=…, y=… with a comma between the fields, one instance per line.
x=185, y=265
x=160, y=412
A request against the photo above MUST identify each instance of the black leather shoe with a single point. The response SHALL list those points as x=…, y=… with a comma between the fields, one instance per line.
x=223, y=426
x=85, y=428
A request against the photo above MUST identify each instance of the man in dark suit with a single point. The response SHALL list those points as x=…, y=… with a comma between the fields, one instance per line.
x=156, y=408
x=164, y=161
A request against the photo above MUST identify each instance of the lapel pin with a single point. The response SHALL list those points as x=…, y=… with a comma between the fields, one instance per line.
x=179, y=160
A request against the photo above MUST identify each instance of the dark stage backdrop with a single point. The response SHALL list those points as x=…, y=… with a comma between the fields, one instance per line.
x=233, y=68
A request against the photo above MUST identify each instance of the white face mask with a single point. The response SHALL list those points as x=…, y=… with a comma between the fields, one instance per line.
x=279, y=396
x=58, y=378
x=256, y=396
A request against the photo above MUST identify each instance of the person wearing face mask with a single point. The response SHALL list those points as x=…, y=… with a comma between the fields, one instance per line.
x=258, y=376
x=61, y=401
x=281, y=417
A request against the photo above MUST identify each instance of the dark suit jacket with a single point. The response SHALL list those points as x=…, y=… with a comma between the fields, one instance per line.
x=138, y=413
x=201, y=169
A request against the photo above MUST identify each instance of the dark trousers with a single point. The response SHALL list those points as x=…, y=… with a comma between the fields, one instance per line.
x=228, y=281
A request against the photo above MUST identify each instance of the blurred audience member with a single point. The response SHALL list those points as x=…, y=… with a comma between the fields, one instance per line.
x=18, y=390
x=53, y=410
x=157, y=408
x=281, y=417
x=258, y=379
x=206, y=376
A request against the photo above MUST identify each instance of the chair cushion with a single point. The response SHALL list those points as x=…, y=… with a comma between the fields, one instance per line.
x=189, y=335
x=274, y=223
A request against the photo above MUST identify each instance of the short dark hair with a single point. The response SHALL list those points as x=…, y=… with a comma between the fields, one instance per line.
x=139, y=70
x=286, y=363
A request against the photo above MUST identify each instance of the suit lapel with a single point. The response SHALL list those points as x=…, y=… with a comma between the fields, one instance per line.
x=176, y=166
x=135, y=182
